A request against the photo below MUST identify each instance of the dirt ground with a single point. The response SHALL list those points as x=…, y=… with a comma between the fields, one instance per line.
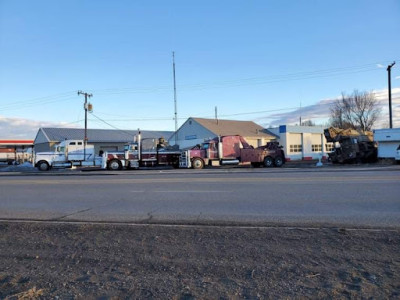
x=80, y=261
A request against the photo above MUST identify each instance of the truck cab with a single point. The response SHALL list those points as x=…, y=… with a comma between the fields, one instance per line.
x=65, y=155
x=231, y=150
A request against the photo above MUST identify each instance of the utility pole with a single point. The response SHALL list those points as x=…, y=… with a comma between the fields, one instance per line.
x=175, y=103
x=390, y=93
x=85, y=106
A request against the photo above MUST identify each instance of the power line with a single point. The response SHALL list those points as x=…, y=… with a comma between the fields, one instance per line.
x=60, y=95
x=185, y=118
x=327, y=103
x=112, y=126
x=322, y=73
x=30, y=103
x=74, y=122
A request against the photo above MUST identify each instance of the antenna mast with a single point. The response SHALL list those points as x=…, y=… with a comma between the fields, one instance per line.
x=300, y=113
x=175, y=103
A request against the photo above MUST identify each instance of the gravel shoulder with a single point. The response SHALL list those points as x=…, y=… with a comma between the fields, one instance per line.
x=100, y=261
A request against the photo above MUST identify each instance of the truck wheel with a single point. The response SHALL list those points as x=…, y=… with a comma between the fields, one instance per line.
x=268, y=162
x=115, y=164
x=43, y=165
x=278, y=162
x=198, y=163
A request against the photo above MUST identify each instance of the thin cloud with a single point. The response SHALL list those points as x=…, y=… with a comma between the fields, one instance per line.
x=380, y=66
x=397, y=77
x=16, y=128
x=321, y=112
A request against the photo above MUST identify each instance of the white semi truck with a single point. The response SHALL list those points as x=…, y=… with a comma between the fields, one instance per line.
x=67, y=154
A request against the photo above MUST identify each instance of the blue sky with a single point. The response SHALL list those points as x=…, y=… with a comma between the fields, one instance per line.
x=254, y=60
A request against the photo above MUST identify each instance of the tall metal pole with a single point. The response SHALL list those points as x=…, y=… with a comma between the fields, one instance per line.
x=300, y=113
x=175, y=103
x=390, y=93
x=87, y=95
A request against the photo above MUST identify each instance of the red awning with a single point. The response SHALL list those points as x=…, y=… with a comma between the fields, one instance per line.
x=16, y=142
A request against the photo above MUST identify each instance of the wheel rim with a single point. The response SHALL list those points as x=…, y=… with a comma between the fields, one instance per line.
x=114, y=165
x=278, y=161
x=197, y=164
x=268, y=161
x=43, y=166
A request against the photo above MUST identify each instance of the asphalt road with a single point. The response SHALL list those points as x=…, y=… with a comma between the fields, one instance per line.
x=364, y=197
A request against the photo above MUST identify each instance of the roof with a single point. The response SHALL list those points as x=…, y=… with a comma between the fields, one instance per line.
x=232, y=127
x=98, y=135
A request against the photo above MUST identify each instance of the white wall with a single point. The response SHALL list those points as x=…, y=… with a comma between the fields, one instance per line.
x=388, y=140
x=306, y=136
x=387, y=149
x=292, y=141
x=190, y=134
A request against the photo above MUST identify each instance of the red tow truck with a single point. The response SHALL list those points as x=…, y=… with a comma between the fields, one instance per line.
x=134, y=156
x=232, y=150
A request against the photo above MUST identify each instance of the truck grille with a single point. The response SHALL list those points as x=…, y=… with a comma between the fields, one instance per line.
x=184, y=160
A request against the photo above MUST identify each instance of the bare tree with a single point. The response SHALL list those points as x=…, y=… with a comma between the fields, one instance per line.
x=356, y=111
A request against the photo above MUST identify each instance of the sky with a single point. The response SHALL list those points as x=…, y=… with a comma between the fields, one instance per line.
x=265, y=61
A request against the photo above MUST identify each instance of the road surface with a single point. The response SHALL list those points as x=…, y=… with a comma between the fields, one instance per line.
x=247, y=196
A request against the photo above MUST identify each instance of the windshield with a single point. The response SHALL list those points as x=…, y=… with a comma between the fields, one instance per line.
x=130, y=147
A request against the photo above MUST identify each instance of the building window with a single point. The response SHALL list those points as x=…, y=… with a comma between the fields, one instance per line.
x=295, y=148
x=316, y=148
x=329, y=147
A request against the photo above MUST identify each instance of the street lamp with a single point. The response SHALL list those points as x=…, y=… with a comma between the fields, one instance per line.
x=390, y=94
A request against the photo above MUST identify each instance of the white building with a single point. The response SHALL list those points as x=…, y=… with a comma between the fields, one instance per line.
x=102, y=139
x=303, y=142
x=388, y=141
x=299, y=142
x=196, y=130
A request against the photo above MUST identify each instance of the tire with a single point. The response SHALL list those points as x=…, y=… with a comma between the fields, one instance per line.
x=268, y=162
x=43, y=165
x=198, y=163
x=278, y=162
x=114, y=164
